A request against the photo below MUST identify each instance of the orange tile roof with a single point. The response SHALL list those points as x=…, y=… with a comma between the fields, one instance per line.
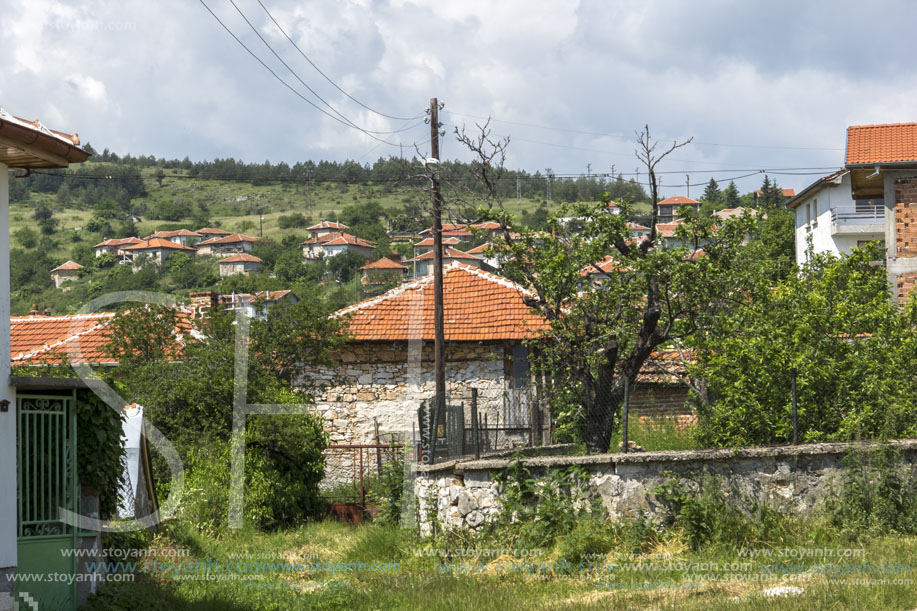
x=448, y=253
x=242, y=258
x=68, y=266
x=43, y=339
x=118, y=242
x=605, y=266
x=478, y=306
x=350, y=240
x=680, y=200
x=157, y=243
x=888, y=143
x=487, y=226
x=637, y=226
x=233, y=238
x=177, y=232
x=327, y=225
x=479, y=250
x=325, y=237
x=667, y=230
x=78, y=338
x=429, y=241
x=213, y=231
x=384, y=263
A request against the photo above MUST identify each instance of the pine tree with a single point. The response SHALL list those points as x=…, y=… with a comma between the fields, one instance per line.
x=730, y=196
x=712, y=193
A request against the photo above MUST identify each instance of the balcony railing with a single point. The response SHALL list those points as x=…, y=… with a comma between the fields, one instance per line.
x=859, y=215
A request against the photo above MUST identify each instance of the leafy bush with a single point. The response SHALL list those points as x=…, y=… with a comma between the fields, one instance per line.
x=100, y=455
x=291, y=221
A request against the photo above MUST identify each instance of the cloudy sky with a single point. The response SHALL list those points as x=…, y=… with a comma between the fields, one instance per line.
x=759, y=85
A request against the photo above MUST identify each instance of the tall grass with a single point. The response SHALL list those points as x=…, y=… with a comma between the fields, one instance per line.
x=657, y=433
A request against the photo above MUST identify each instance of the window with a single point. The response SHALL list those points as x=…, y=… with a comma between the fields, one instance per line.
x=808, y=214
x=815, y=209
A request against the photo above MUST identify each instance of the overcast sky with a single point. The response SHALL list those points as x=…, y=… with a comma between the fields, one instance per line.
x=759, y=85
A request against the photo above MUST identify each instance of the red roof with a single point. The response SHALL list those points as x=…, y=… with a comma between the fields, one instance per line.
x=213, y=231
x=350, y=240
x=479, y=250
x=44, y=339
x=489, y=225
x=79, y=338
x=384, y=263
x=679, y=200
x=68, y=266
x=233, y=238
x=325, y=237
x=118, y=242
x=241, y=258
x=448, y=253
x=785, y=192
x=605, y=266
x=637, y=227
x=177, y=232
x=667, y=230
x=327, y=225
x=155, y=244
x=478, y=306
x=429, y=241
x=888, y=143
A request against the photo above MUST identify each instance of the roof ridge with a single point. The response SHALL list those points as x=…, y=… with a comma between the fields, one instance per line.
x=49, y=347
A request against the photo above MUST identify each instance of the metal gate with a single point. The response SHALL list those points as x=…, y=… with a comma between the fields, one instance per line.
x=47, y=481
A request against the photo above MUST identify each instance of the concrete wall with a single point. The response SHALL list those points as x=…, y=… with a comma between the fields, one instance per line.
x=463, y=494
x=7, y=393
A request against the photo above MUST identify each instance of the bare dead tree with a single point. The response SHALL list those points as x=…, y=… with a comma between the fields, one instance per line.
x=646, y=153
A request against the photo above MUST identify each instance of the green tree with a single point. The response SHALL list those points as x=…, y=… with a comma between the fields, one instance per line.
x=27, y=237
x=834, y=322
x=730, y=196
x=712, y=193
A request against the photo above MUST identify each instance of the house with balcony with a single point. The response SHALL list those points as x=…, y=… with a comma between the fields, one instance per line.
x=669, y=207
x=831, y=217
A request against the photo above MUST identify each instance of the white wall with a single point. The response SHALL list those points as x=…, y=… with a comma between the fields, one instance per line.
x=8, y=419
x=828, y=198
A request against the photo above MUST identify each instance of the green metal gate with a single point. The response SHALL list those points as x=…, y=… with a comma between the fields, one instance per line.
x=47, y=481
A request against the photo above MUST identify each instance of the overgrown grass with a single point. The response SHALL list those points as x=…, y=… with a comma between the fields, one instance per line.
x=662, y=433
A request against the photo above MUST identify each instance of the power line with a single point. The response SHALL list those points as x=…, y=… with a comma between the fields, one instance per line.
x=327, y=78
x=618, y=135
x=298, y=78
x=288, y=86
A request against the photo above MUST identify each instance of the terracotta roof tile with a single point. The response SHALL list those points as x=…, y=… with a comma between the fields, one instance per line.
x=429, y=242
x=888, y=143
x=213, y=231
x=349, y=240
x=384, y=263
x=327, y=225
x=68, y=266
x=478, y=306
x=448, y=253
x=118, y=242
x=680, y=200
x=157, y=243
x=242, y=258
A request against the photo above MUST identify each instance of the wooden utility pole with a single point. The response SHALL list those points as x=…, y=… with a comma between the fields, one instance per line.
x=439, y=338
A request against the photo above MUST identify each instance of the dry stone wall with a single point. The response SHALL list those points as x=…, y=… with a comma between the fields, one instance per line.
x=378, y=383
x=463, y=494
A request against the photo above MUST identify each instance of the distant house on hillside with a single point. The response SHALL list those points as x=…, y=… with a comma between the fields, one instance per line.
x=669, y=208
x=426, y=245
x=114, y=246
x=226, y=245
x=383, y=272
x=155, y=250
x=182, y=237
x=345, y=242
x=326, y=227
x=212, y=232
x=423, y=265
x=67, y=272
x=239, y=264
x=255, y=306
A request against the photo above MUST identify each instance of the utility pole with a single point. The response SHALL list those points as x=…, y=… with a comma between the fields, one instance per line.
x=688, y=184
x=588, y=170
x=439, y=337
x=548, y=174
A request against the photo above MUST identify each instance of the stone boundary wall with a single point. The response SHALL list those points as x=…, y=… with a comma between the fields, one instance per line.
x=793, y=478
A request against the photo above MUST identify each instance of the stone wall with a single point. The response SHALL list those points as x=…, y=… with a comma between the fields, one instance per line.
x=376, y=383
x=463, y=494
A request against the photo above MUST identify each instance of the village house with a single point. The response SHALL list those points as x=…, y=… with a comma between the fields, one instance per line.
x=211, y=232
x=383, y=272
x=182, y=237
x=423, y=265
x=326, y=227
x=254, y=306
x=426, y=245
x=114, y=246
x=348, y=243
x=155, y=250
x=669, y=207
x=66, y=272
x=226, y=245
x=239, y=264
x=32, y=540
x=829, y=219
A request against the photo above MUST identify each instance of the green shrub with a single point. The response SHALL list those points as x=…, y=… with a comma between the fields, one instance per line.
x=590, y=539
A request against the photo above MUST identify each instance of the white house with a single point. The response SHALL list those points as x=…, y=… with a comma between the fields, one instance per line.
x=156, y=250
x=114, y=246
x=830, y=219
x=24, y=145
x=326, y=227
x=182, y=237
x=345, y=242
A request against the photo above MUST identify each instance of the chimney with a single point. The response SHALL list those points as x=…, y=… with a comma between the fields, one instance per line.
x=201, y=303
x=47, y=312
x=34, y=311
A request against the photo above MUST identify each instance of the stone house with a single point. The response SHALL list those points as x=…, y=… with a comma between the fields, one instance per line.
x=67, y=272
x=239, y=264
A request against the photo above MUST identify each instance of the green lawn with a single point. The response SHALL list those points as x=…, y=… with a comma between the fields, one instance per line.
x=332, y=566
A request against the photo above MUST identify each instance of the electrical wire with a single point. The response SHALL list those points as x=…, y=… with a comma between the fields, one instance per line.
x=327, y=78
x=288, y=86
x=617, y=135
